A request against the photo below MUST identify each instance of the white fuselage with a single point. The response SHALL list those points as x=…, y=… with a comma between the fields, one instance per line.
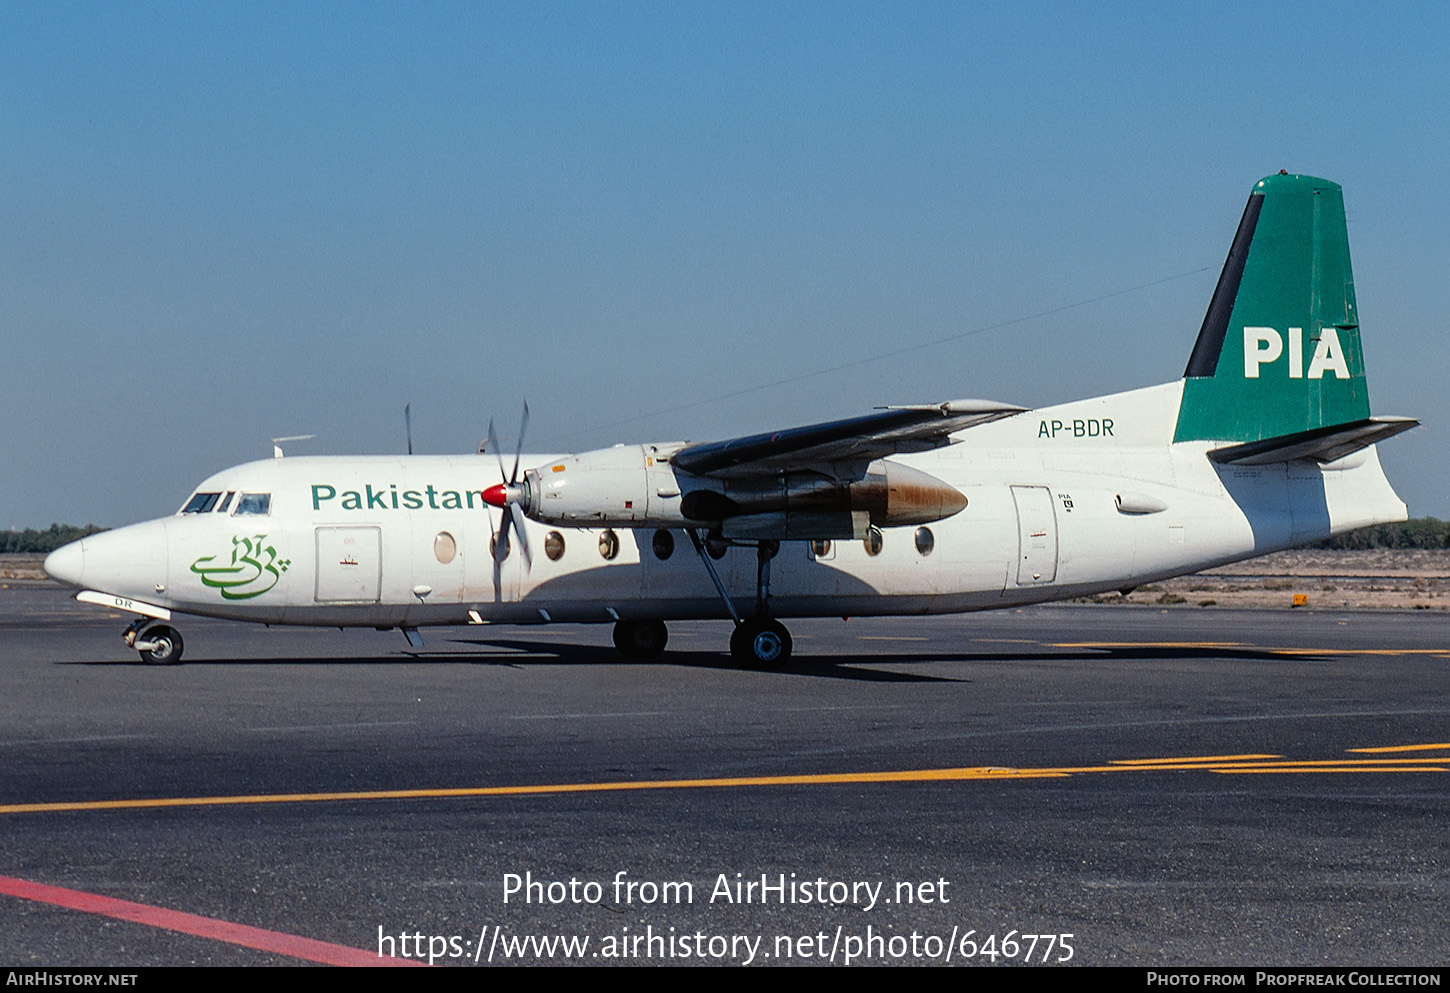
x=1081, y=498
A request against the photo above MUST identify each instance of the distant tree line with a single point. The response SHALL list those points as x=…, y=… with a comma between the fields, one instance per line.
x=1421, y=532
x=45, y=541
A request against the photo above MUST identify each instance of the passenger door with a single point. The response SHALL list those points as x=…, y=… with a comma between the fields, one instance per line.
x=349, y=565
x=1036, y=535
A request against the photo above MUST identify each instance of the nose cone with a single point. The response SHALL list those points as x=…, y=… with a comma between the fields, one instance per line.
x=67, y=562
x=129, y=561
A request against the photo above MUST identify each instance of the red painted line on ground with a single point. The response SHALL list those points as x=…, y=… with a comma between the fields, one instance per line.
x=205, y=927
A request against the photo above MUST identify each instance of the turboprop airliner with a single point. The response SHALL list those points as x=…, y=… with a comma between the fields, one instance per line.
x=1266, y=442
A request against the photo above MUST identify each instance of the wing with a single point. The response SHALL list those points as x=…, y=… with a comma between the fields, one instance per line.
x=856, y=439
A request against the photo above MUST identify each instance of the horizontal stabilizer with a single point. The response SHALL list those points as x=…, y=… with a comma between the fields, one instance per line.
x=1324, y=444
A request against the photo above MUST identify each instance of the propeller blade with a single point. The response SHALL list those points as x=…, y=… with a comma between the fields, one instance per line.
x=492, y=445
x=519, y=451
x=506, y=495
x=501, y=540
x=498, y=572
x=518, y=523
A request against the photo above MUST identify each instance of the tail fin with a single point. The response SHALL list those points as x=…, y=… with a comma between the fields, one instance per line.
x=1279, y=350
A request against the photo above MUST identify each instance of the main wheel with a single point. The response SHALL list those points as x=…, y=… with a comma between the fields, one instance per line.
x=167, y=642
x=640, y=639
x=761, y=641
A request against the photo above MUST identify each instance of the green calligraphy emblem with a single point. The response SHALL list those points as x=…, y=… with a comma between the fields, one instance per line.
x=254, y=569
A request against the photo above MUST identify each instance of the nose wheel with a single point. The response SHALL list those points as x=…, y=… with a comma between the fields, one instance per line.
x=158, y=644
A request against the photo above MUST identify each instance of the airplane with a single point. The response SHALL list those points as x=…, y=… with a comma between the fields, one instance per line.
x=1265, y=443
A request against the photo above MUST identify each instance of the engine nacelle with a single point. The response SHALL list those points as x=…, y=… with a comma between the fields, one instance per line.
x=636, y=486
x=628, y=485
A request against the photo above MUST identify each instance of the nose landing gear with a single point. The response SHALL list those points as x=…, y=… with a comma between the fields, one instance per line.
x=158, y=644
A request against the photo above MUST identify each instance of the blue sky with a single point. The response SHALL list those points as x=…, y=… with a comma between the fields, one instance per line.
x=220, y=224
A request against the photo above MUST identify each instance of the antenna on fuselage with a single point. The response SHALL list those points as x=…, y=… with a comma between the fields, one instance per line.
x=408, y=423
x=277, y=443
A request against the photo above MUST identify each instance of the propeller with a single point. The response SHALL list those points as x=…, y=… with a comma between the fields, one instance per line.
x=509, y=495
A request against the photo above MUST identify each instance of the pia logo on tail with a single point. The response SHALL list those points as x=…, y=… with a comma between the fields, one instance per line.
x=1264, y=346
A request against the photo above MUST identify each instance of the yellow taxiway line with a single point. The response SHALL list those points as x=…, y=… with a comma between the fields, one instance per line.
x=1222, y=764
x=1405, y=748
x=1244, y=645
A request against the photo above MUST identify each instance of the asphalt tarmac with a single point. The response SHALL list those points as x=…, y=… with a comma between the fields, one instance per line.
x=1191, y=786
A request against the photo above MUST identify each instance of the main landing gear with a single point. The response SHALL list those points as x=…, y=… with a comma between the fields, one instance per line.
x=758, y=640
x=158, y=644
x=640, y=640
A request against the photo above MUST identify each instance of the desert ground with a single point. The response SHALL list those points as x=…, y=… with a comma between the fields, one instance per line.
x=1377, y=579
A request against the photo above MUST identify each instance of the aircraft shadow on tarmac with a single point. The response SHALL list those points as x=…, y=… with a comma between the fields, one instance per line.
x=856, y=666
x=522, y=654
x=827, y=665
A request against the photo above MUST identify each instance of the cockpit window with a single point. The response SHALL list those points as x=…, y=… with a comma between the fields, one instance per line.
x=226, y=501
x=202, y=503
x=254, y=503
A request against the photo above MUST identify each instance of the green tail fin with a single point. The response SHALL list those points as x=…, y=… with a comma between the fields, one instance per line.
x=1279, y=349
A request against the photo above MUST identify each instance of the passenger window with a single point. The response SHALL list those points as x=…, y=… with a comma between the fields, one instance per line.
x=202, y=503
x=444, y=547
x=254, y=503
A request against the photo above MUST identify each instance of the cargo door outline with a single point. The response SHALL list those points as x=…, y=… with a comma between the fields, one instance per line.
x=349, y=565
x=1036, y=535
